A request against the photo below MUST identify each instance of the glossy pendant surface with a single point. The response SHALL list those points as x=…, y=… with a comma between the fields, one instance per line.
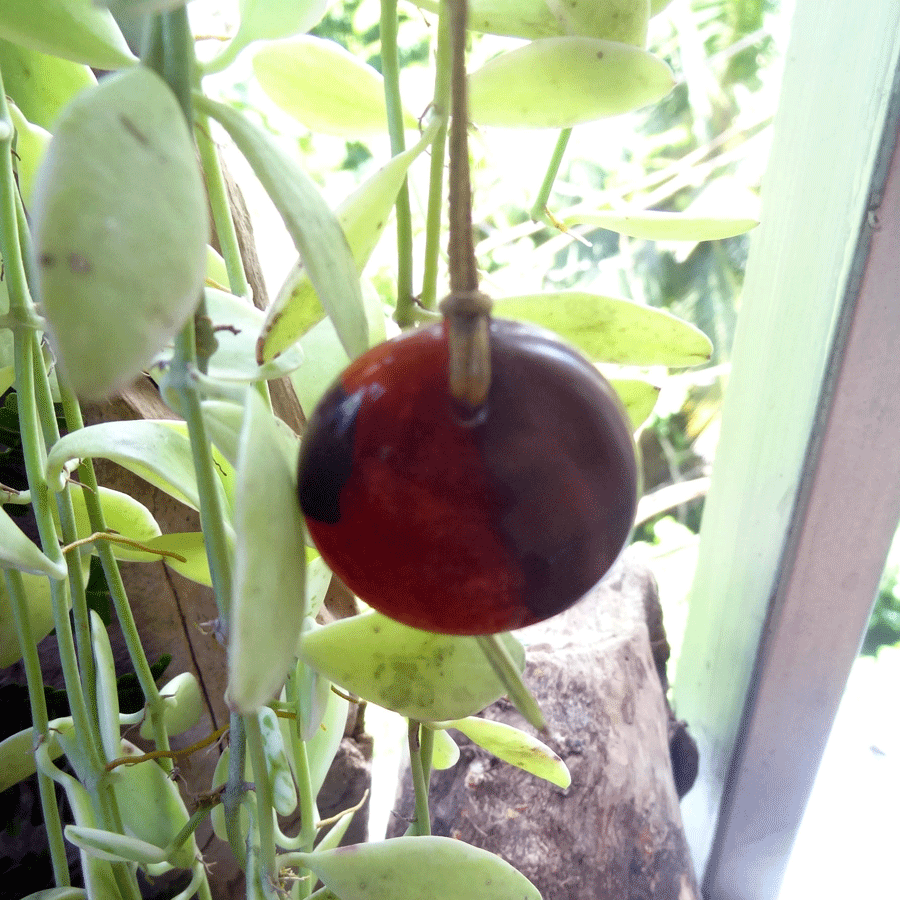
x=478, y=527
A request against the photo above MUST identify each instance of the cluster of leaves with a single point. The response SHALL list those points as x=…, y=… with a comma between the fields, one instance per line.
x=120, y=255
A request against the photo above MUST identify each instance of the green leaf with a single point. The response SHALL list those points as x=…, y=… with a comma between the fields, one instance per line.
x=237, y=325
x=192, y=547
x=564, y=81
x=610, y=329
x=614, y=21
x=31, y=141
x=314, y=228
x=151, y=806
x=419, y=868
x=77, y=30
x=40, y=614
x=325, y=87
x=270, y=558
x=324, y=360
x=107, y=695
x=323, y=356
x=323, y=746
x=123, y=515
x=515, y=747
x=121, y=229
x=41, y=85
x=363, y=216
x=19, y=552
x=113, y=846
x=638, y=397
x=182, y=706
x=664, y=226
x=445, y=753
x=273, y=19
x=17, y=756
x=318, y=579
x=64, y=893
x=420, y=675
x=283, y=788
x=156, y=450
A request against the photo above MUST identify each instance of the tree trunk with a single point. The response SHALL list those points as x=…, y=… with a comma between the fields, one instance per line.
x=616, y=832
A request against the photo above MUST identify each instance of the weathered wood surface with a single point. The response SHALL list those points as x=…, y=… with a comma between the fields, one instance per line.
x=616, y=832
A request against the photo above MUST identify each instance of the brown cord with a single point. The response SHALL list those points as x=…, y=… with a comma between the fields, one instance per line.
x=466, y=309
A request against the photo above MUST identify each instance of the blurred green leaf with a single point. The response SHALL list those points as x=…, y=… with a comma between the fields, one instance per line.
x=612, y=330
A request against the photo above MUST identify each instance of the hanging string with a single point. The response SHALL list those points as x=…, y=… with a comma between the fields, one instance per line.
x=466, y=309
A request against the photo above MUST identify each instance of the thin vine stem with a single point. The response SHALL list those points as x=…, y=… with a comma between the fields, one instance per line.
x=220, y=207
x=69, y=532
x=538, y=211
x=422, y=823
x=434, y=214
x=15, y=587
x=233, y=794
x=390, y=69
x=88, y=477
x=264, y=796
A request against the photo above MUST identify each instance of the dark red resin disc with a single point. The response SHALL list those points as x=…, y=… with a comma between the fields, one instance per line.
x=469, y=528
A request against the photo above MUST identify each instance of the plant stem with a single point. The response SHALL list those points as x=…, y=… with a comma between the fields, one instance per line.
x=508, y=673
x=233, y=795
x=538, y=211
x=16, y=589
x=390, y=69
x=422, y=822
x=301, y=767
x=441, y=102
x=80, y=615
x=88, y=477
x=264, y=797
x=221, y=209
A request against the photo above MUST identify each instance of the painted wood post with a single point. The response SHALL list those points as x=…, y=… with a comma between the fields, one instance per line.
x=792, y=389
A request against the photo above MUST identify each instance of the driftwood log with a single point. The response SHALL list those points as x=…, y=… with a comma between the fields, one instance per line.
x=616, y=832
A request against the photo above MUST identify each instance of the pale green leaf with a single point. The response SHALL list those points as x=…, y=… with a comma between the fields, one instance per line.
x=324, y=359
x=120, y=230
x=445, y=753
x=314, y=228
x=19, y=552
x=530, y=19
x=363, y=217
x=237, y=324
x=421, y=675
x=183, y=705
x=610, y=329
x=419, y=868
x=122, y=514
x=638, y=397
x=63, y=893
x=77, y=30
x=31, y=141
x=268, y=578
x=559, y=82
x=515, y=747
x=17, y=755
x=191, y=546
x=41, y=85
x=156, y=450
x=325, y=87
x=664, y=226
